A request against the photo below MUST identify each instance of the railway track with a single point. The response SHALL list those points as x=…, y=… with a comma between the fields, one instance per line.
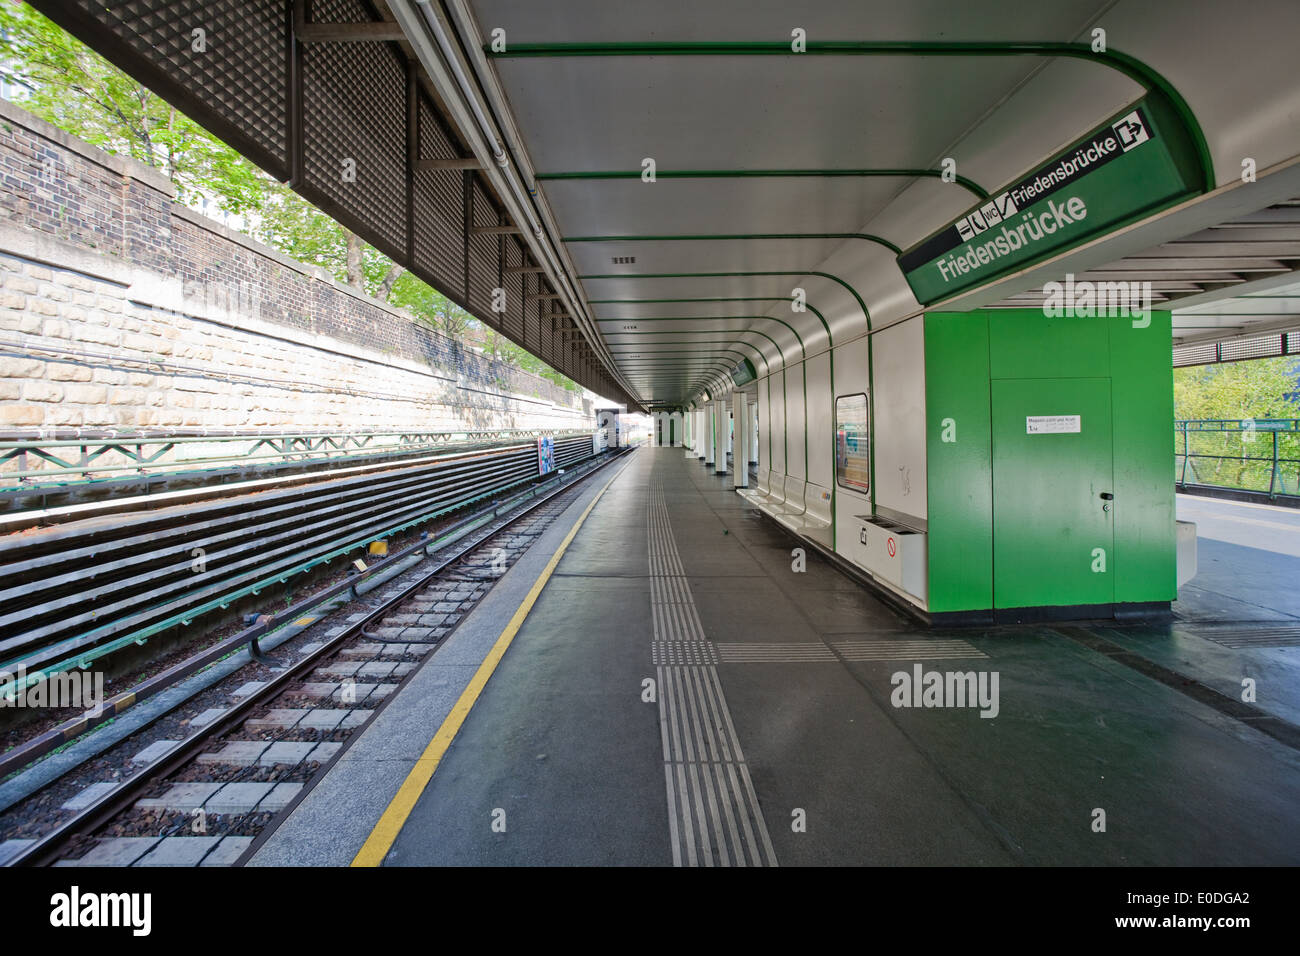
x=78, y=592
x=202, y=784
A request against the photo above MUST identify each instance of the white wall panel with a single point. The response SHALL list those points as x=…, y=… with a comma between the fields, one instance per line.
x=776, y=477
x=898, y=354
x=794, y=421
x=821, y=421
x=820, y=414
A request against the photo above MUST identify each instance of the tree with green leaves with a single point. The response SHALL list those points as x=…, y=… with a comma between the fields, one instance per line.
x=69, y=85
x=1255, y=390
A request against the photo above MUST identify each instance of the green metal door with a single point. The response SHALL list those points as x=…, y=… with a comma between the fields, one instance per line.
x=1053, y=519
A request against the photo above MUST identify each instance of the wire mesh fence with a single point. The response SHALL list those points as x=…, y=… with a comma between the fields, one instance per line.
x=1244, y=454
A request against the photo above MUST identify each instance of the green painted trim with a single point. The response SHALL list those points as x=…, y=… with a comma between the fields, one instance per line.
x=743, y=356
x=757, y=351
x=830, y=344
x=724, y=318
x=1130, y=66
x=711, y=357
x=702, y=353
x=742, y=235
x=741, y=298
x=726, y=275
x=968, y=183
x=705, y=318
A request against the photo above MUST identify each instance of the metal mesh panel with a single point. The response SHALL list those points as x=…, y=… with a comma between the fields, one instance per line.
x=483, y=256
x=1262, y=347
x=1195, y=355
x=545, y=339
x=514, y=286
x=354, y=109
x=439, y=211
x=239, y=76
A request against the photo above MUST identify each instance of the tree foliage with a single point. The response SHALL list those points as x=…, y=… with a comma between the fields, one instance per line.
x=72, y=87
x=69, y=85
x=1240, y=455
x=1256, y=388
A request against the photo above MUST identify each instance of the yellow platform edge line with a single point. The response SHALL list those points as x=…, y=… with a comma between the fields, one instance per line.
x=394, y=817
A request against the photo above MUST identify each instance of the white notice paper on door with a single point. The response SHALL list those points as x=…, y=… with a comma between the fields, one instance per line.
x=1053, y=424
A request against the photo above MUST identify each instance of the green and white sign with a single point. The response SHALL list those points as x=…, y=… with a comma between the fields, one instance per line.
x=743, y=373
x=1135, y=164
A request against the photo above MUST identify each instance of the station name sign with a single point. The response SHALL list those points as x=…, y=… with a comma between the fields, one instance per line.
x=1125, y=169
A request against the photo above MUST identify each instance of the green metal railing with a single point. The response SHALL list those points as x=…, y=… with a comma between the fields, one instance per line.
x=1242, y=454
x=61, y=457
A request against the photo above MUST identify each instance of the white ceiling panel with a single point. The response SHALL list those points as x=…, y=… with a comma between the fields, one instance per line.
x=712, y=206
x=587, y=21
x=997, y=117
x=734, y=112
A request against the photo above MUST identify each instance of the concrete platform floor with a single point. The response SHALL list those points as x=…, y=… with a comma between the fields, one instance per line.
x=771, y=735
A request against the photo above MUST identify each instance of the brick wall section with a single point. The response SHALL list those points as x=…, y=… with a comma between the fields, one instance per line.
x=120, y=307
x=55, y=188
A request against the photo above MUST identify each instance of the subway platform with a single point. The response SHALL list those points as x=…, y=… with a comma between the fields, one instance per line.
x=655, y=683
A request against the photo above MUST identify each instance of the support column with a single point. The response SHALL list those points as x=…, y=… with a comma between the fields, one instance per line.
x=702, y=441
x=722, y=430
x=688, y=433
x=751, y=429
x=740, y=451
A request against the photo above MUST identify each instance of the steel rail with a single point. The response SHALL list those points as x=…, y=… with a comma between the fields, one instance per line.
x=47, y=848
x=24, y=754
x=441, y=491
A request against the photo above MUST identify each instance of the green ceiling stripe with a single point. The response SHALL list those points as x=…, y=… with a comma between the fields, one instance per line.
x=1132, y=67
x=757, y=351
x=641, y=359
x=743, y=235
x=745, y=331
x=724, y=275
x=968, y=183
x=722, y=318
